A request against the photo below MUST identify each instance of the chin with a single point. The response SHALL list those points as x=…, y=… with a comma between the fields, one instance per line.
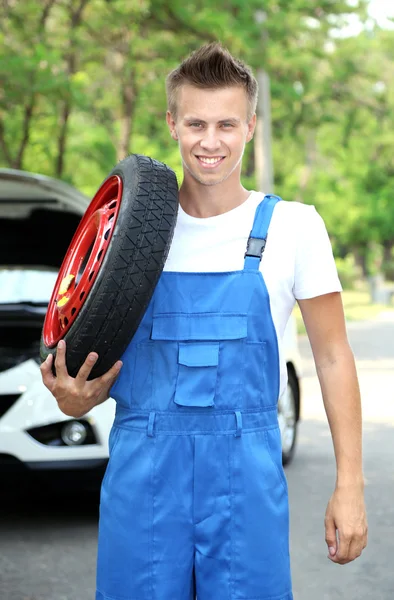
x=208, y=181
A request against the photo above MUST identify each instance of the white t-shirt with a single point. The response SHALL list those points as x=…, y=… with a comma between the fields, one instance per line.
x=297, y=262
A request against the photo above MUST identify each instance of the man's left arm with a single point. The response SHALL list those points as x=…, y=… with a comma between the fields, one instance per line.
x=345, y=521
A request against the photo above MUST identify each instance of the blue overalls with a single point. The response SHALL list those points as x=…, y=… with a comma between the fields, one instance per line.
x=194, y=500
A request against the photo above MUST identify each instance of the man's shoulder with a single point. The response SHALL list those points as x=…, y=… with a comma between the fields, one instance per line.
x=286, y=207
x=293, y=214
x=294, y=208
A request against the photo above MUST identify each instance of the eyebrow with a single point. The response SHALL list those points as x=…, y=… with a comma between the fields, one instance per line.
x=233, y=120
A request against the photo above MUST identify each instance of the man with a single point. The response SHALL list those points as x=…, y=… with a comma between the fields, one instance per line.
x=194, y=500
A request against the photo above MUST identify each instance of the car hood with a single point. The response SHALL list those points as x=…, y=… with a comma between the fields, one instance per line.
x=38, y=217
x=21, y=191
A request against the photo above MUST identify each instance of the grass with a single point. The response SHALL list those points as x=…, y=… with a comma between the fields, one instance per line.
x=357, y=305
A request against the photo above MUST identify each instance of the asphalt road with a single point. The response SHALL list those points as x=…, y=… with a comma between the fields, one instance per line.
x=312, y=475
x=48, y=542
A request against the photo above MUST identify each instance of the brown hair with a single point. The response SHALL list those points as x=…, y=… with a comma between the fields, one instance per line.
x=211, y=67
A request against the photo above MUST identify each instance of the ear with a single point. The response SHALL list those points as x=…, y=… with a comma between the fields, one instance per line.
x=251, y=128
x=171, y=125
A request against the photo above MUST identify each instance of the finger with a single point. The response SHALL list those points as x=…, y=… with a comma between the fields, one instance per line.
x=355, y=549
x=358, y=542
x=112, y=374
x=47, y=375
x=87, y=367
x=331, y=537
x=342, y=554
x=60, y=360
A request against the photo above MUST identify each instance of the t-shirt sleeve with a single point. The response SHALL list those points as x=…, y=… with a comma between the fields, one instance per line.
x=315, y=272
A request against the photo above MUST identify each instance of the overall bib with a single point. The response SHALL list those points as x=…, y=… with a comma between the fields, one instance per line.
x=194, y=500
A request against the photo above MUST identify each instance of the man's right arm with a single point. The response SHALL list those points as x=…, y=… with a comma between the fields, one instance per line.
x=76, y=396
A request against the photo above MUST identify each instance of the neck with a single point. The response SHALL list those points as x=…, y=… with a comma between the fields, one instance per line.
x=204, y=201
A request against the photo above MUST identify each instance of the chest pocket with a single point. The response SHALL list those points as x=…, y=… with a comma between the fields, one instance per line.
x=199, y=339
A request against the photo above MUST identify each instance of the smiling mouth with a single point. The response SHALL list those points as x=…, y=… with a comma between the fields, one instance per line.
x=208, y=161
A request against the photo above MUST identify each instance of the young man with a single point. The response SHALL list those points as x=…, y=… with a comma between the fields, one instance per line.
x=194, y=500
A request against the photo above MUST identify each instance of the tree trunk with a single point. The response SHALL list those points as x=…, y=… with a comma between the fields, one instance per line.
x=361, y=261
x=29, y=109
x=17, y=161
x=71, y=59
x=4, y=146
x=61, y=147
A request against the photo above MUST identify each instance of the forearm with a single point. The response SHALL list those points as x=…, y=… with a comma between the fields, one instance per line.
x=341, y=396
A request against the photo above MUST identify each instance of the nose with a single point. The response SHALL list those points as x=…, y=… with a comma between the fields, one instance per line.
x=210, y=140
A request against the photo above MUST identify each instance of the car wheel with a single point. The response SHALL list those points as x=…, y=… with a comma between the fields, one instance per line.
x=112, y=265
x=287, y=418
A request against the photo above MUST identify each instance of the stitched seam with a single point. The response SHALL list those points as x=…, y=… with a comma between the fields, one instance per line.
x=116, y=436
x=263, y=409
x=280, y=475
x=230, y=484
x=152, y=548
x=202, y=432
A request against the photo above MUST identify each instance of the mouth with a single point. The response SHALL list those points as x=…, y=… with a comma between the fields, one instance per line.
x=210, y=162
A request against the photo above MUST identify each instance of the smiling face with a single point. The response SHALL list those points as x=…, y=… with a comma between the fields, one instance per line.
x=212, y=128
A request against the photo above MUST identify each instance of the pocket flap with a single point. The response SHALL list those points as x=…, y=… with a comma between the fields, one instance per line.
x=199, y=326
x=201, y=354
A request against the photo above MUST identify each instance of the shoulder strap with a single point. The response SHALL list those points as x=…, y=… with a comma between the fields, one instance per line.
x=258, y=236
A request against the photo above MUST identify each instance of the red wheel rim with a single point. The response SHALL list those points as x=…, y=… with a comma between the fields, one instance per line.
x=83, y=261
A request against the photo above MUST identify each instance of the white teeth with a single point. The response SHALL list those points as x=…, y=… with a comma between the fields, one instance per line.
x=210, y=161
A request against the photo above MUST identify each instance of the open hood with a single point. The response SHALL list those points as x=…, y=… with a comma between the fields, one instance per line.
x=21, y=192
x=38, y=217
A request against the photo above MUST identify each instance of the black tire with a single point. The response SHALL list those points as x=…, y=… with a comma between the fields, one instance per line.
x=131, y=268
x=288, y=455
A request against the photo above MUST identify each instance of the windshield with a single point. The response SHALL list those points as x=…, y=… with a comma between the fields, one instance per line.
x=34, y=284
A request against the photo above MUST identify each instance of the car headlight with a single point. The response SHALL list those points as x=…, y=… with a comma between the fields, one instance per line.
x=74, y=433
x=65, y=433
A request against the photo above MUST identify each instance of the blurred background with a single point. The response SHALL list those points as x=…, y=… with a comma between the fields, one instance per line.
x=82, y=86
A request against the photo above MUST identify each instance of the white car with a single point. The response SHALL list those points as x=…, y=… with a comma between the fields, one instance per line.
x=38, y=216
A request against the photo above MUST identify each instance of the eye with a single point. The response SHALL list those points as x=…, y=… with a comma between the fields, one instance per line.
x=195, y=125
x=227, y=125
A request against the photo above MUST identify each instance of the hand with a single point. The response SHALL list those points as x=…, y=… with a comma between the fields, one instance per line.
x=76, y=396
x=346, y=516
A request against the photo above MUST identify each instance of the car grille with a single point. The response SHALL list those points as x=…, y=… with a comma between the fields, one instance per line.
x=6, y=401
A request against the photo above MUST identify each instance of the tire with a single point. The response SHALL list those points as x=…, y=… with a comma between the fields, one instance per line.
x=287, y=407
x=127, y=276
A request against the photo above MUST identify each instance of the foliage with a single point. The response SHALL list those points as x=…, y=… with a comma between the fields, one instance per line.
x=82, y=84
